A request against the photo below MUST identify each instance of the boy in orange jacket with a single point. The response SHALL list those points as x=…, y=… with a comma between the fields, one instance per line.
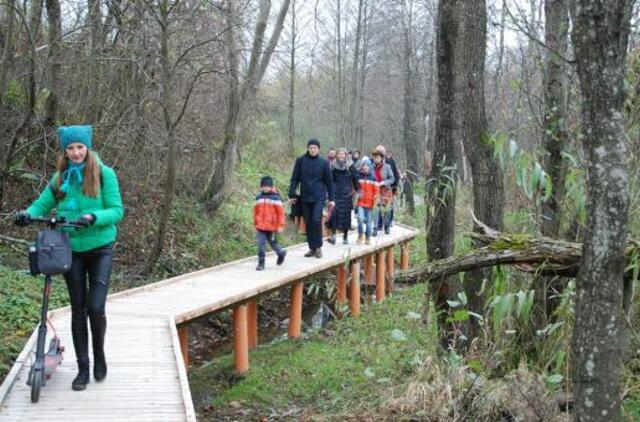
x=368, y=198
x=268, y=219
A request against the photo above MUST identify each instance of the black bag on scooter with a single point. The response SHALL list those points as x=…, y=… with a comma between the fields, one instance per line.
x=53, y=252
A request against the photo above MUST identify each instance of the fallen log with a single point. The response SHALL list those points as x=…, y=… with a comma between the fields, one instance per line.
x=538, y=255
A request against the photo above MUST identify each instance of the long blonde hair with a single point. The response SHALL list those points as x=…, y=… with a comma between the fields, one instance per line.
x=91, y=175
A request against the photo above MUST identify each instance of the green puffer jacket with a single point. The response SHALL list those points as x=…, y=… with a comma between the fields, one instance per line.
x=106, y=207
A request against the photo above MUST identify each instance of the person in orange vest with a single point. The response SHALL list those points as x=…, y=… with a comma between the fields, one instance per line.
x=268, y=219
x=368, y=197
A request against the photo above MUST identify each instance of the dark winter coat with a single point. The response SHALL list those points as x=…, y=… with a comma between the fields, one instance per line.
x=313, y=174
x=345, y=183
x=394, y=170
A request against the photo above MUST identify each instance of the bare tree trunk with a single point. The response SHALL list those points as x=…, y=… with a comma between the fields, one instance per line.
x=363, y=75
x=340, y=85
x=354, y=76
x=555, y=140
x=442, y=192
x=409, y=123
x=488, y=190
x=600, y=36
x=292, y=82
x=7, y=52
x=54, y=60
x=95, y=24
x=240, y=97
x=167, y=114
x=498, y=75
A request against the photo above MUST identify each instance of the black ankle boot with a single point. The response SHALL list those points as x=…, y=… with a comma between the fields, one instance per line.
x=82, y=379
x=98, y=329
x=99, y=366
x=260, y=266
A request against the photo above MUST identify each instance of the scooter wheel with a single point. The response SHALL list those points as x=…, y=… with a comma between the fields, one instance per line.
x=36, y=384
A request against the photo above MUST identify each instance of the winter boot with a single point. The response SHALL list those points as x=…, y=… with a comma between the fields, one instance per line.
x=98, y=330
x=386, y=230
x=281, y=257
x=260, y=266
x=310, y=253
x=82, y=379
x=332, y=239
x=318, y=253
x=367, y=241
x=360, y=238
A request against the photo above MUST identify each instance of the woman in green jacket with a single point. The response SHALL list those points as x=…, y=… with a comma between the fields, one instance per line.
x=85, y=190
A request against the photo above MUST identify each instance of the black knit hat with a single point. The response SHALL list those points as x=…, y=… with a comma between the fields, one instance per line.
x=313, y=142
x=266, y=181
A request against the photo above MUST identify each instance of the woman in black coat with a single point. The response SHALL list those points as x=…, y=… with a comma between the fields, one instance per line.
x=345, y=183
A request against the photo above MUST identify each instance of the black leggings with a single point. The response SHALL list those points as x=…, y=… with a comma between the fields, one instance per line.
x=97, y=263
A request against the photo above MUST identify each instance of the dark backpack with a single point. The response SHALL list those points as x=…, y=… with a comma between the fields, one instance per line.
x=53, y=252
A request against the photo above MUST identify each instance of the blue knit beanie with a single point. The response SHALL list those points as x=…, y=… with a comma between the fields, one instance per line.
x=71, y=134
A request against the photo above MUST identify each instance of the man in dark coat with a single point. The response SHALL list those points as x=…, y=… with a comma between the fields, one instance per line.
x=313, y=174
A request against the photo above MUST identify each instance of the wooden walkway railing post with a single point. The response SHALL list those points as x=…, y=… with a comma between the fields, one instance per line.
x=368, y=270
x=380, y=273
x=295, y=314
x=354, y=289
x=252, y=322
x=240, y=339
x=404, y=256
x=341, y=297
x=390, y=269
x=183, y=335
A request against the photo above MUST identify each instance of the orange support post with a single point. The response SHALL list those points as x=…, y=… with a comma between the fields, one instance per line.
x=252, y=322
x=183, y=336
x=368, y=270
x=240, y=339
x=295, y=314
x=404, y=256
x=390, y=270
x=342, y=289
x=380, y=285
x=354, y=289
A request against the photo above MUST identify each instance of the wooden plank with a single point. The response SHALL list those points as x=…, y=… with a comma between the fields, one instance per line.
x=190, y=412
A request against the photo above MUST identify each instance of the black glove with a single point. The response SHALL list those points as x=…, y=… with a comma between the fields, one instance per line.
x=21, y=218
x=86, y=220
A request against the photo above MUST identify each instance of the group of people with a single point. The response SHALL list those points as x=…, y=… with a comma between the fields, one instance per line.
x=85, y=190
x=342, y=182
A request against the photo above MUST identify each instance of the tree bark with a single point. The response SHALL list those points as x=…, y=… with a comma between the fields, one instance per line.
x=7, y=52
x=354, y=75
x=600, y=36
x=410, y=117
x=292, y=83
x=359, y=140
x=95, y=27
x=488, y=190
x=442, y=191
x=54, y=60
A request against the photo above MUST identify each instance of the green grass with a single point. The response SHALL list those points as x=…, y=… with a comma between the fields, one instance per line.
x=354, y=363
x=20, y=304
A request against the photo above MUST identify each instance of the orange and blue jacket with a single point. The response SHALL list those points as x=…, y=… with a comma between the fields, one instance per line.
x=369, y=190
x=268, y=212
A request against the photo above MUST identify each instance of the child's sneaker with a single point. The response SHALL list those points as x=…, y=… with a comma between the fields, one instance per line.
x=360, y=239
x=281, y=257
x=332, y=239
x=260, y=266
x=367, y=241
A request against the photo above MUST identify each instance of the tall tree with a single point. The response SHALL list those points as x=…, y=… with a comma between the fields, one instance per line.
x=240, y=99
x=353, y=100
x=411, y=115
x=600, y=36
x=555, y=138
x=8, y=45
x=488, y=189
x=54, y=59
x=442, y=191
x=292, y=82
x=93, y=82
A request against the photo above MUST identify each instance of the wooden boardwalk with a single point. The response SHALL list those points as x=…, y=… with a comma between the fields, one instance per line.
x=146, y=342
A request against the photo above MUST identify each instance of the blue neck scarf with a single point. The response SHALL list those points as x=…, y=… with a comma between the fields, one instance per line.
x=72, y=175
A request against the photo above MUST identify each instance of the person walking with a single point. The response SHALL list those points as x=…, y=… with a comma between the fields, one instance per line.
x=345, y=184
x=367, y=200
x=313, y=174
x=384, y=176
x=86, y=190
x=388, y=159
x=268, y=219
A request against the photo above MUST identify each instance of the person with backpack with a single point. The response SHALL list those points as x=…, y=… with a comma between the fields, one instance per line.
x=384, y=176
x=313, y=174
x=345, y=184
x=268, y=219
x=84, y=189
x=367, y=200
